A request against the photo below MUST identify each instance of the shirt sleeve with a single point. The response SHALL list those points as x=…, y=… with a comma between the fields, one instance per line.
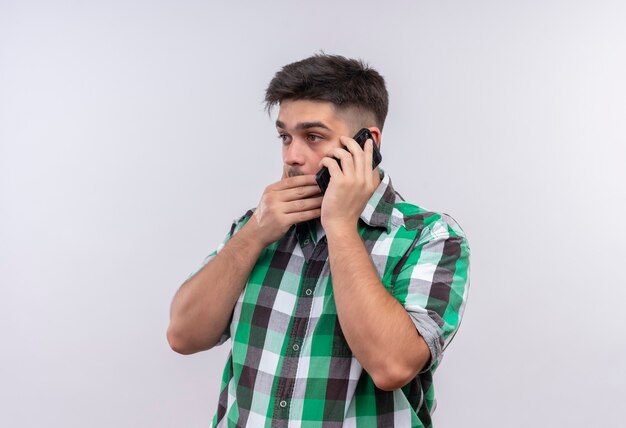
x=234, y=228
x=432, y=284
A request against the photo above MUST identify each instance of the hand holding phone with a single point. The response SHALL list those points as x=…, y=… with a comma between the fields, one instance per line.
x=323, y=175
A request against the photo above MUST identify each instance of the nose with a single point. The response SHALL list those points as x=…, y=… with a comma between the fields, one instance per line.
x=294, y=153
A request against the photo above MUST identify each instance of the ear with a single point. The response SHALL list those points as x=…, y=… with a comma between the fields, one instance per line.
x=376, y=134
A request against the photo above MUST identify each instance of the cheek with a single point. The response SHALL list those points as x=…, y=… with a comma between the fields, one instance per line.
x=322, y=152
x=315, y=159
x=326, y=151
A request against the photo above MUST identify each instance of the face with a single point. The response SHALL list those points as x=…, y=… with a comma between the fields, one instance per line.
x=308, y=131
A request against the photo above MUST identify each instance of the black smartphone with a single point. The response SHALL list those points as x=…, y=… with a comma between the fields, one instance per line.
x=323, y=175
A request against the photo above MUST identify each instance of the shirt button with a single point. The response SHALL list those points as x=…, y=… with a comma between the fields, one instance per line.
x=308, y=291
x=283, y=404
x=296, y=347
x=306, y=242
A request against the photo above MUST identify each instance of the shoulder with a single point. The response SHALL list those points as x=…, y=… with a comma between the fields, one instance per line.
x=425, y=224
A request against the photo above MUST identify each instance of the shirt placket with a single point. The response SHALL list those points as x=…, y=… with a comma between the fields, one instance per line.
x=315, y=258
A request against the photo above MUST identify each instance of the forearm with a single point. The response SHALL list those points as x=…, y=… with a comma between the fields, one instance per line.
x=377, y=328
x=202, y=307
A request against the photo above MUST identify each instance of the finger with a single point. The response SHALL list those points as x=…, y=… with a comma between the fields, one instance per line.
x=300, y=192
x=332, y=165
x=369, y=154
x=355, y=150
x=296, y=181
x=299, y=217
x=351, y=145
x=302, y=205
x=347, y=163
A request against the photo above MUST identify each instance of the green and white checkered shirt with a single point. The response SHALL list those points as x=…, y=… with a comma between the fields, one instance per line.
x=290, y=365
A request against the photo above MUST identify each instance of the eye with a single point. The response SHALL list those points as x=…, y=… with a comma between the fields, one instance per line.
x=313, y=138
x=284, y=138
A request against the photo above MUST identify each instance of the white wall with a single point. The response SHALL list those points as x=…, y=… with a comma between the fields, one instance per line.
x=132, y=133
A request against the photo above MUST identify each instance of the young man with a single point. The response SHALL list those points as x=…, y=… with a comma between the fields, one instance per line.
x=340, y=305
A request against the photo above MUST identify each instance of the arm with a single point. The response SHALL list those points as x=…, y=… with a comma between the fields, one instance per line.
x=202, y=307
x=377, y=327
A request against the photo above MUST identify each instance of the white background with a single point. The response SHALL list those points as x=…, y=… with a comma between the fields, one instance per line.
x=132, y=133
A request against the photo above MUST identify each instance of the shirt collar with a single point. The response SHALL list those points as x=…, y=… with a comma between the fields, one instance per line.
x=377, y=212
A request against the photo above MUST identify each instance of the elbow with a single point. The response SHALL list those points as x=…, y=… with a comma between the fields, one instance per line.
x=392, y=378
x=181, y=343
x=395, y=374
x=176, y=342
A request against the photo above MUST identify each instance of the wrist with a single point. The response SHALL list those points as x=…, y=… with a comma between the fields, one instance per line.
x=340, y=229
x=249, y=236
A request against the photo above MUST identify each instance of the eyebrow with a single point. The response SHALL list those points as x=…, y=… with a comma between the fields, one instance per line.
x=304, y=125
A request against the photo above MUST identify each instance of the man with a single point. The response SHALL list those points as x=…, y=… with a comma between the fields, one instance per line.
x=338, y=305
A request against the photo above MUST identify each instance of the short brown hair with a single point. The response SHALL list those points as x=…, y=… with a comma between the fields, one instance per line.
x=347, y=83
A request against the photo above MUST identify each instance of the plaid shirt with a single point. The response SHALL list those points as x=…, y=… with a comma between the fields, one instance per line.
x=290, y=364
